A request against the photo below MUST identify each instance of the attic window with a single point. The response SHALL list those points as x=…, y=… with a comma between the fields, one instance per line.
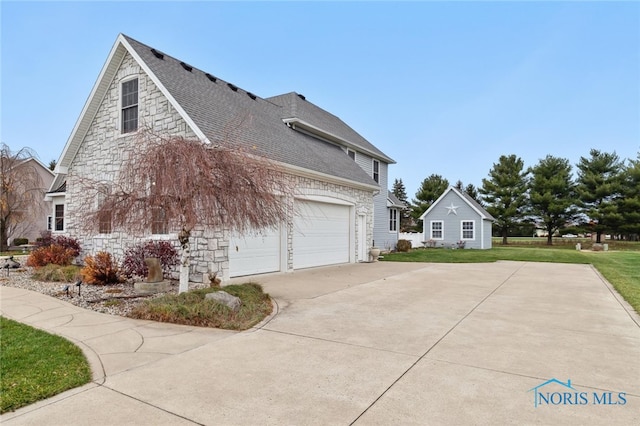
x=251, y=95
x=186, y=66
x=302, y=97
x=210, y=77
x=232, y=87
x=157, y=54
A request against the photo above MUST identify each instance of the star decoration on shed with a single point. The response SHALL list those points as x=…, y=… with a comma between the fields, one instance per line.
x=452, y=209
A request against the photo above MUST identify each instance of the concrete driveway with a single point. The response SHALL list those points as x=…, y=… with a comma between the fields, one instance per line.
x=384, y=343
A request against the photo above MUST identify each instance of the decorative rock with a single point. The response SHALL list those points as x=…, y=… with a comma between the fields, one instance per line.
x=225, y=298
x=155, y=269
x=152, y=288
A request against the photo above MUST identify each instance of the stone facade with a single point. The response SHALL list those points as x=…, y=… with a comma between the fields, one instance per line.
x=104, y=148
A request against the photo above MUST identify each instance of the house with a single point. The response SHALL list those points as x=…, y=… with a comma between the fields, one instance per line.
x=31, y=223
x=339, y=175
x=387, y=238
x=455, y=219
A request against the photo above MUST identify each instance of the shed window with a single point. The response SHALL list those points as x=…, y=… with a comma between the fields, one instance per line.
x=468, y=230
x=437, y=230
x=130, y=106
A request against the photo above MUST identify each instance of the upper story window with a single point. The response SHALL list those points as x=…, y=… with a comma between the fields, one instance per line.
x=351, y=154
x=376, y=171
x=437, y=232
x=130, y=106
x=468, y=229
x=59, y=219
x=393, y=220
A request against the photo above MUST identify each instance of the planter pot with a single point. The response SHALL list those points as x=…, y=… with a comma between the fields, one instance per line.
x=374, y=252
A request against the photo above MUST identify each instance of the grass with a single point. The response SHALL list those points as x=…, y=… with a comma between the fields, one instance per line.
x=620, y=268
x=57, y=273
x=191, y=308
x=35, y=365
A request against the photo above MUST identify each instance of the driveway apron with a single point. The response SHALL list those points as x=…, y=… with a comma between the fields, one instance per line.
x=381, y=343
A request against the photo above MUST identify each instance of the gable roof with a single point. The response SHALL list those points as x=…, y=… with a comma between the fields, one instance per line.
x=393, y=201
x=464, y=197
x=211, y=106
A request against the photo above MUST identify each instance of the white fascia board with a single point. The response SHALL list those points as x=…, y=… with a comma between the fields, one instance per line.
x=183, y=114
x=330, y=137
x=93, y=102
x=435, y=203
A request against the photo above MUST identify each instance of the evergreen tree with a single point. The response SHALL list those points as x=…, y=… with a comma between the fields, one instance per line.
x=470, y=190
x=629, y=204
x=505, y=193
x=430, y=189
x=405, y=214
x=599, y=190
x=52, y=165
x=552, y=198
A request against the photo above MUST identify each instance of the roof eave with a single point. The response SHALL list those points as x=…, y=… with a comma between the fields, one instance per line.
x=298, y=124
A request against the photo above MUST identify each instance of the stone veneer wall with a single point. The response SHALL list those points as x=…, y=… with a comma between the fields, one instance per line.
x=104, y=148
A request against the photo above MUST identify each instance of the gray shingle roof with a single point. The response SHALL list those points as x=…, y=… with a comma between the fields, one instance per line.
x=253, y=122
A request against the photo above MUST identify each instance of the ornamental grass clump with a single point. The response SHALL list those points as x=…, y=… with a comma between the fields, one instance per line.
x=191, y=308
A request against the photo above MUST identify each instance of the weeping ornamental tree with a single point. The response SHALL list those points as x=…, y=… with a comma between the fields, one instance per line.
x=21, y=190
x=178, y=184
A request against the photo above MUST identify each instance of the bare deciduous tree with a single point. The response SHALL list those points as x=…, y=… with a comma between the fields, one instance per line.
x=177, y=183
x=20, y=192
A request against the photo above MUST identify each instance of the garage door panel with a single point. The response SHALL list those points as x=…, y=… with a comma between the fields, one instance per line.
x=255, y=253
x=321, y=234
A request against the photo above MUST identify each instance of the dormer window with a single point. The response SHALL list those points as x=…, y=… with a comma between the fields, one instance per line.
x=129, y=106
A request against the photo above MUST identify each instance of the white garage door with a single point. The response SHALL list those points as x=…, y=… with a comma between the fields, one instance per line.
x=255, y=253
x=321, y=234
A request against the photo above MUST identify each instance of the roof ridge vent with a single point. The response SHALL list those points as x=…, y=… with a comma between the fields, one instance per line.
x=186, y=66
x=157, y=54
x=232, y=87
x=251, y=95
x=210, y=77
x=302, y=97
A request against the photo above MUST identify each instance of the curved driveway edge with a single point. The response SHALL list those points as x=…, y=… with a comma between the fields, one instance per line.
x=382, y=343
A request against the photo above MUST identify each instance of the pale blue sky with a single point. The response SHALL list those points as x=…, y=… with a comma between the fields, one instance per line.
x=441, y=87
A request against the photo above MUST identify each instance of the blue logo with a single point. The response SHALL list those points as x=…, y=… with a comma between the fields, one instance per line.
x=555, y=392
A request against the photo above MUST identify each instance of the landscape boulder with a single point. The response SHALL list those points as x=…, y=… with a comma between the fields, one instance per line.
x=226, y=299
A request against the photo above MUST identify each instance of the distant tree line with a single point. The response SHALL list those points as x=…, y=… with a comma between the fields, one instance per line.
x=603, y=197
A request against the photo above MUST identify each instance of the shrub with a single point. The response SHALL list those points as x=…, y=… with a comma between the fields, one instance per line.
x=403, y=245
x=133, y=263
x=100, y=269
x=46, y=240
x=55, y=254
x=20, y=241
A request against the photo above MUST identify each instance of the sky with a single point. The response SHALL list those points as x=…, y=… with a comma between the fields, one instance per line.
x=441, y=87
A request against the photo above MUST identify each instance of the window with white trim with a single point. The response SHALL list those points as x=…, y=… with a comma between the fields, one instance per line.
x=59, y=218
x=104, y=217
x=351, y=154
x=468, y=229
x=49, y=223
x=437, y=230
x=129, y=105
x=393, y=220
x=376, y=171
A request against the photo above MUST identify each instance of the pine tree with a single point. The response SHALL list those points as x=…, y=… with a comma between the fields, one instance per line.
x=429, y=191
x=599, y=190
x=505, y=193
x=552, y=197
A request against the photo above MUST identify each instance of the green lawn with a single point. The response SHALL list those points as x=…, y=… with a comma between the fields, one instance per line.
x=35, y=365
x=620, y=268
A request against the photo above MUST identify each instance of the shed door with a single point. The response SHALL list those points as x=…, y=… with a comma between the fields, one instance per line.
x=321, y=234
